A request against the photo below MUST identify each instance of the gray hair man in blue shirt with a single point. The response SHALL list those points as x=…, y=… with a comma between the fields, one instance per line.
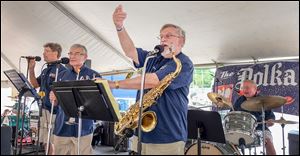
x=66, y=128
x=170, y=134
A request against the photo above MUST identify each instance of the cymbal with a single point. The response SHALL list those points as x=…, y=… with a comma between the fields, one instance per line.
x=219, y=100
x=281, y=121
x=269, y=102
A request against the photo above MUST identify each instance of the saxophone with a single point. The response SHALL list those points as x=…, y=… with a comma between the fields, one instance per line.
x=149, y=120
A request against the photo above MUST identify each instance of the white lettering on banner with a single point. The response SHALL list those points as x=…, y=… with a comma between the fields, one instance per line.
x=225, y=74
x=243, y=74
x=289, y=78
x=266, y=73
x=277, y=76
x=258, y=77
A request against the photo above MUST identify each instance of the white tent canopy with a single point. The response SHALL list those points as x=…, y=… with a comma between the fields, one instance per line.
x=216, y=31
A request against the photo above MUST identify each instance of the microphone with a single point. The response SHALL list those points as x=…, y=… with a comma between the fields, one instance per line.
x=242, y=145
x=63, y=60
x=157, y=49
x=37, y=58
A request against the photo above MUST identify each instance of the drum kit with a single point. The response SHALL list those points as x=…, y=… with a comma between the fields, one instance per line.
x=239, y=126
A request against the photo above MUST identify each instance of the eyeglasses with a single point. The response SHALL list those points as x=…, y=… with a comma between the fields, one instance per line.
x=246, y=87
x=167, y=36
x=75, y=54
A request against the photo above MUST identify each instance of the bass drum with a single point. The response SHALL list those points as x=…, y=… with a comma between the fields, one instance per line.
x=208, y=148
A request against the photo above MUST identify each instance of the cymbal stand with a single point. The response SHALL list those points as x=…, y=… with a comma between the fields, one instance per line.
x=216, y=90
x=263, y=128
x=282, y=127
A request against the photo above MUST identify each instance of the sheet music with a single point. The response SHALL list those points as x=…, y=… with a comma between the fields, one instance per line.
x=110, y=96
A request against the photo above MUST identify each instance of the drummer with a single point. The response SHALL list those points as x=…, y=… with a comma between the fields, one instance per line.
x=249, y=90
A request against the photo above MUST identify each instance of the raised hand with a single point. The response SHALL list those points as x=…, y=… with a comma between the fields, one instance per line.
x=119, y=16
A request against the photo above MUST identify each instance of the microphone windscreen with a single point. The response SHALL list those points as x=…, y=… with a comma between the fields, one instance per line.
x=159, y=48
x=65, y=60
x=37, y=58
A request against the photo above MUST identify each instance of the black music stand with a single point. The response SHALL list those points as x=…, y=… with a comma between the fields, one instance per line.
x=86, y=99
x=21, y=83
x=205, y=125
x=25, y=89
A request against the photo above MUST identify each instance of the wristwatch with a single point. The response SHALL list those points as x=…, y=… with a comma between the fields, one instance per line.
x=117, y=84
x=120, y=29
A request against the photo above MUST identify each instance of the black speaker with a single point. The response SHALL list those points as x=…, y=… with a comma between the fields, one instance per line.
x=107, y=137
x=293, y=137
x=6, y=136
x=88, y=63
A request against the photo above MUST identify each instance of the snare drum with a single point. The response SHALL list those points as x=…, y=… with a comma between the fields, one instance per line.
x=209, y=148
x=238, y=125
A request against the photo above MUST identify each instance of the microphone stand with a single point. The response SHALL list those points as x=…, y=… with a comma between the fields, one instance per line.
x=22, y=124
x=23, y=116
x=51, y=115
x=216, y=89
x=40, y=105
x=282, y=128
x=39, y=126
x=242, y=145
x=263, y=128
x=139, y=148
x=22, y=92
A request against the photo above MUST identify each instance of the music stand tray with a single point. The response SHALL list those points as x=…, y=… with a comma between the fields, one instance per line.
x=206, y=126
x=95, y=96
x=86, y=99
x=21, y=83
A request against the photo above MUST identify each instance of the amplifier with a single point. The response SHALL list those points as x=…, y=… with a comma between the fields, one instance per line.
x=6, y=136
x=293, y=137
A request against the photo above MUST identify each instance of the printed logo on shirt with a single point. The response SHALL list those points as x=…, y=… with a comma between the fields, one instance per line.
x=82, y=77
x=163, y=67
x=87, y=77
x=52, y=75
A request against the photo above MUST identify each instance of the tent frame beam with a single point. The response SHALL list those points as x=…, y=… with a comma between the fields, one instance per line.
x=89, y=30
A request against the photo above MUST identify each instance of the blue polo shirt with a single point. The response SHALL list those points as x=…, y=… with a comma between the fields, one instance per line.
x=63, y=129
x=45, y=80
x=171, y=108
x=258, y=115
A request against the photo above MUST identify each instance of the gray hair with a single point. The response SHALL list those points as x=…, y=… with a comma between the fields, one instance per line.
x=251, y=82
x=80, y=46
x=180, y=31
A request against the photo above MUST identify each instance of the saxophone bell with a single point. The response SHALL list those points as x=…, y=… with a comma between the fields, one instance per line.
x=149, y=121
